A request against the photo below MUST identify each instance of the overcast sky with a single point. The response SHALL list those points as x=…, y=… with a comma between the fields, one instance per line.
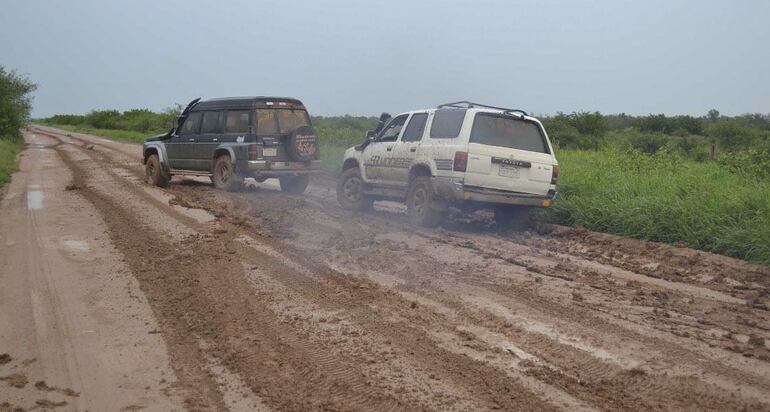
x=365, y=57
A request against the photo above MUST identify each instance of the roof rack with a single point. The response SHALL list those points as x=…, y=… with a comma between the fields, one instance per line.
x=464, y=104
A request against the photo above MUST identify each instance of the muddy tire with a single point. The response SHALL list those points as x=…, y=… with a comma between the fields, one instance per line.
x=420, y=203
x=350, y=191
x=512, y=218
x=223, y=175
x=153, y=173
x=294, y=184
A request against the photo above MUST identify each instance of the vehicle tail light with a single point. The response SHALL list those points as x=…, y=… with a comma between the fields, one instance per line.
x=461, y=161
x=252, y=152
x=555, y=174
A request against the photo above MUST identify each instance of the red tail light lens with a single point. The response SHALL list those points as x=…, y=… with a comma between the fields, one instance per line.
x=555, y=174
x=253, y=152
x=461, y=161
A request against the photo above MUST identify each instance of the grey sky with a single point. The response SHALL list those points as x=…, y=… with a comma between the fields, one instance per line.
x=364, y=57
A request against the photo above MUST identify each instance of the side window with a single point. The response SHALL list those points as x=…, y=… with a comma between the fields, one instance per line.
x=266, y=122
x=415, y=128
x=211, y=123
x=393, y=129
x=237, y=121
x=191, y=124
x=447, y=123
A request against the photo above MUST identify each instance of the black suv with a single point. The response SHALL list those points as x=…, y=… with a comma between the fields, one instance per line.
x=235, y=137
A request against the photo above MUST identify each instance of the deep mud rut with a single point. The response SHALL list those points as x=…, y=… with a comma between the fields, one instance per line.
x=269, y=301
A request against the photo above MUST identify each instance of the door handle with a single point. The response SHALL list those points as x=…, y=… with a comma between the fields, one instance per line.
x=216, y=140
x=192, y=140
x=413, y=149
x=389, y=148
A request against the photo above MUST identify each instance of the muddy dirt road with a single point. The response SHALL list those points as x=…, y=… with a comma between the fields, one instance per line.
x=122, y=296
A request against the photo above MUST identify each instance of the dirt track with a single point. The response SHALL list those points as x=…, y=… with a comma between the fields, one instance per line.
x=201, y=299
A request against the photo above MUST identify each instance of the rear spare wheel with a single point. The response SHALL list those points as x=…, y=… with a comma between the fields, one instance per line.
x=302, y=145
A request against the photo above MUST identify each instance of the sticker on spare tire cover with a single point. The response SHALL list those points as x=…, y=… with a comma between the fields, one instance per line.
x=306, y=144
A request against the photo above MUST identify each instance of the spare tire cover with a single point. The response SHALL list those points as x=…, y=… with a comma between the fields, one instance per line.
x=303, y=144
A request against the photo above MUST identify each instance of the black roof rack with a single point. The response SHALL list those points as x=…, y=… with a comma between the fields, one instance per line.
x=464, y=104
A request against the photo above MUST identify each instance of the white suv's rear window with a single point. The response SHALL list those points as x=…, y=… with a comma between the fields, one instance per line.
x=505, y=131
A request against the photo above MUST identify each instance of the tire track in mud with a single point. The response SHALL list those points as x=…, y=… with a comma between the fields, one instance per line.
x=609, y=380
x=177, y=290
x=340, y=385
x=375, y=295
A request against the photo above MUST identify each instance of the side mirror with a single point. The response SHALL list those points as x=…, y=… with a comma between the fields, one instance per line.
x=371, y=135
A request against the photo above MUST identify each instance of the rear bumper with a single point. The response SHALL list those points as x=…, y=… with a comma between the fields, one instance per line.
x=453, y=190
x=266, y=167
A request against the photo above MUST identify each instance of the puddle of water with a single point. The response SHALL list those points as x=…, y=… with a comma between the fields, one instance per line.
x=34, y=200
x=77, y=245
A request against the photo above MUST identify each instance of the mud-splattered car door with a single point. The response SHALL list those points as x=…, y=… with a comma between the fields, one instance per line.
x=378, y=155
x=405, y=151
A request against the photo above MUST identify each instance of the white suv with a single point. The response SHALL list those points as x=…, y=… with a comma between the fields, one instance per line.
x=461, y=154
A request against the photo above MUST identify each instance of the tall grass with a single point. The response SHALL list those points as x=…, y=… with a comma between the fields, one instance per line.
x=665, y=198
x=126, y=135
x=8, y=151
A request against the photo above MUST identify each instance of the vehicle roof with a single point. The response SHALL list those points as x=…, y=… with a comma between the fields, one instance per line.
x=245, y=102
x=473, y=110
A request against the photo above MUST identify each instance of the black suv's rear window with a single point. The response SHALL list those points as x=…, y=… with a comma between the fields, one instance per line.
x=506, y=131
x=447, y=123
x=274, y=121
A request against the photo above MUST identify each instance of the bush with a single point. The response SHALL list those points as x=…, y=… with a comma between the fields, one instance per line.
x=15, y=103
x=8, y=151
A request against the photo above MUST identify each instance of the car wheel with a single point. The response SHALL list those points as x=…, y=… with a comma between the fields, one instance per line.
x=420, y=203
x=294, y=184
x=224, y=176
x=350, y=191
x=153, y=173
x=511, y=217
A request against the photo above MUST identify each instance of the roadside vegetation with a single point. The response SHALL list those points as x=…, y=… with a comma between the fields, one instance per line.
x=702, y=181
x=15, y=106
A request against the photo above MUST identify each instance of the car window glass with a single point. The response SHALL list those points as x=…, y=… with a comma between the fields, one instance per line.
x=237, y=121
x=191, y=123
x=266, y=122
x=505, y=131
x=290, y=120
x=210, y=123
x=391, y=131
x=447, y=123
x=415, y=128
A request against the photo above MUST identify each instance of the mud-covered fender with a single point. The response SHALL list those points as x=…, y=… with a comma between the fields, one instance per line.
x=226, y=149
x=160, y=148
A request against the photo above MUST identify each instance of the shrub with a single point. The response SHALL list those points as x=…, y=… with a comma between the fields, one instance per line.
x=15, y=103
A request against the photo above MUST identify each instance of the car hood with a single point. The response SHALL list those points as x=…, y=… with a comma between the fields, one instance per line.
x=156, y=138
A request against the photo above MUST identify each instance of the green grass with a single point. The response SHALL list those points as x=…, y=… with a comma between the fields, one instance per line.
x=332, y=155
x=8, y=151
x=665, y=198
x=125, y=135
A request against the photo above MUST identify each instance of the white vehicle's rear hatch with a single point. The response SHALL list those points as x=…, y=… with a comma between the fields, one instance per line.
x=507, y=152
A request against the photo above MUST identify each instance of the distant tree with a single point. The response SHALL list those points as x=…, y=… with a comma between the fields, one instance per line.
x=655, y=123
x=589, y=123
x=15, y=103
x=731, y=133
x=713, y=115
